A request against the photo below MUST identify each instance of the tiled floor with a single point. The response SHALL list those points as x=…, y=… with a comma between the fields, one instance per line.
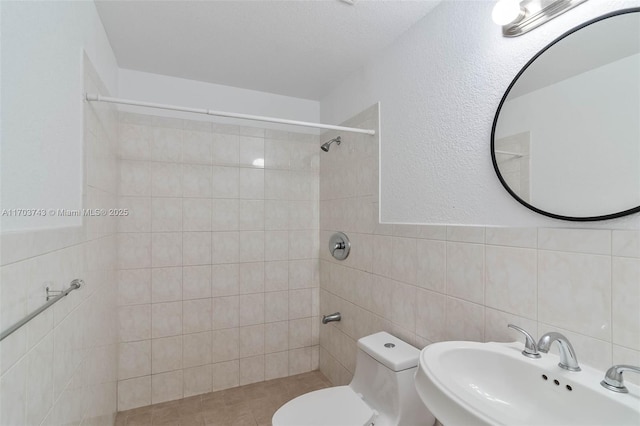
x=252, y=405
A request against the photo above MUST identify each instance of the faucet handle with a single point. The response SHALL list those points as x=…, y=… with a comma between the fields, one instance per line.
x=530, y=347
x=613, y=378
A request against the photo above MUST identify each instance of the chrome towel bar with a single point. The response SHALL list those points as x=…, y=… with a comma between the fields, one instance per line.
x=75, y=284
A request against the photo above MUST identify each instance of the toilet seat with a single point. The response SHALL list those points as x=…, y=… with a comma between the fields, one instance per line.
x=337, y=406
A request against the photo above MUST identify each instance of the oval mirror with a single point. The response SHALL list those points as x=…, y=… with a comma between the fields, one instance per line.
x=566, y=137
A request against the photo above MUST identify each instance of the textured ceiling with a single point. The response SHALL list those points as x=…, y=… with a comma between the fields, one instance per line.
x=296, y=48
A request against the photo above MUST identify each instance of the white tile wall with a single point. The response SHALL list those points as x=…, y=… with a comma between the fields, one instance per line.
x=218, y=260
x=432, y=283
x=61, y=368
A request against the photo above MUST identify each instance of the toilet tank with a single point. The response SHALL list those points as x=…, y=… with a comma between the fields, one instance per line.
x=384, y=376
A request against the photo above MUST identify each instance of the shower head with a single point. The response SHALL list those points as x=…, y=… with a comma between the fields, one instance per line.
x=325, y=146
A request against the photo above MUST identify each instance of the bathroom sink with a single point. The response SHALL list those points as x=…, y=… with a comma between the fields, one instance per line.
x=469, y=383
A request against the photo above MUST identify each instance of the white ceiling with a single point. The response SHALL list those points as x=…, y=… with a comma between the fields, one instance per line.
x=296, y=48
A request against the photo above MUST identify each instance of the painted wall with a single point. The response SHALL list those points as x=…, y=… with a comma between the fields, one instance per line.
x=42, y=85
x=149, y=87
x=439, y=86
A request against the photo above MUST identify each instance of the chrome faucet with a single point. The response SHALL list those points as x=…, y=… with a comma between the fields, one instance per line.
x=530, y=347
x=613, y=378
x=568, y=358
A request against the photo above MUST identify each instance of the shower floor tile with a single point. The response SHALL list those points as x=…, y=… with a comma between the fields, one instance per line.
x=251, y=405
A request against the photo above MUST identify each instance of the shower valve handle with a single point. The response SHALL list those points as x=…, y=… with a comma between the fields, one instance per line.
x=339, y=246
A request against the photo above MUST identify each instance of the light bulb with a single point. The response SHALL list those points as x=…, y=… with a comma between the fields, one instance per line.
x=506, y=12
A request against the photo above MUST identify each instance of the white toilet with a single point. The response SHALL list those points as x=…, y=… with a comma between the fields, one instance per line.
x=382, y=391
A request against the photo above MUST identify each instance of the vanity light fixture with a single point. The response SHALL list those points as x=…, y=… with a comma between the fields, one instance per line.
x=507, y=12
x=520, y=16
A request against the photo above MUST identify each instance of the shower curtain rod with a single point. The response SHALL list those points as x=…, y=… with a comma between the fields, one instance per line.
x=92, y=97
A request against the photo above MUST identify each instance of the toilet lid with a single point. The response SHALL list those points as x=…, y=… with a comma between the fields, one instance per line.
x=337, y=406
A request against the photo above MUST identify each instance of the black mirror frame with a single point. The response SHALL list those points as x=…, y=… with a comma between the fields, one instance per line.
x=502, y=101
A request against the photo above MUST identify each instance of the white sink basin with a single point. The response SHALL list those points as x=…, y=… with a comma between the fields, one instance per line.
x=469, y=383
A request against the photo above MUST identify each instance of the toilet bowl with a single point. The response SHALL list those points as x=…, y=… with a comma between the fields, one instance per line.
x=382, y=391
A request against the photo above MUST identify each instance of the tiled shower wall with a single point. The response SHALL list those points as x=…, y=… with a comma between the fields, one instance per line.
x=432, y=283
x=61, y=368
x=218, y=259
